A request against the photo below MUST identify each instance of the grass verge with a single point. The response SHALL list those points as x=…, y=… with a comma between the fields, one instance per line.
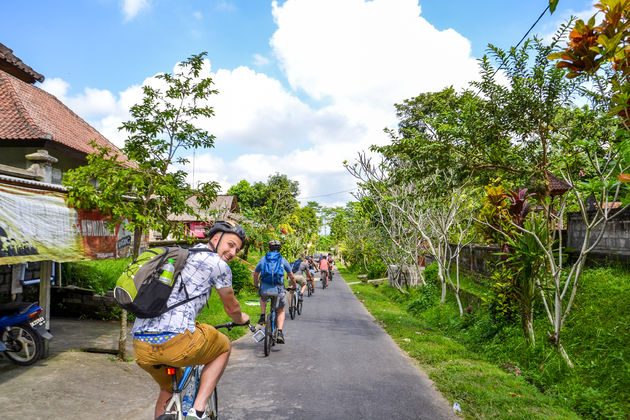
x=483, y=389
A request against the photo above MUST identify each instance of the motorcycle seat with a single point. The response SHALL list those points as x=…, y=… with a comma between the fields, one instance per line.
x=15, y=307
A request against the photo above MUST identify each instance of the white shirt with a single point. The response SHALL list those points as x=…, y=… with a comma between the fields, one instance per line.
x=202, y=271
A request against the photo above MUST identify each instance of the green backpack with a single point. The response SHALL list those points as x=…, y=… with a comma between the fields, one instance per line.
x=139, y=290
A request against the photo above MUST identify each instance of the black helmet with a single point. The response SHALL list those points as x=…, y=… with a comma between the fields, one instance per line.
x=227, y=226
x=275, y=245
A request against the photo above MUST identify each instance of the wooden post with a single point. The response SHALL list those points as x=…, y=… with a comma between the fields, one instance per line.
x=45, y=271
x=17, y=274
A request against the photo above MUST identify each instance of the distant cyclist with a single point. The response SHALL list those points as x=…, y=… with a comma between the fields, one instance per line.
x=304, y=274
x=323, y=269
x=331, y=266
x=270, y=271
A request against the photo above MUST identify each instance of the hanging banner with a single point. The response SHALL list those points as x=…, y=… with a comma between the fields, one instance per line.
x=37, y=225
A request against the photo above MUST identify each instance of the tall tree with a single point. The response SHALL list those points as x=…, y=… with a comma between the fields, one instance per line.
x=140, y=187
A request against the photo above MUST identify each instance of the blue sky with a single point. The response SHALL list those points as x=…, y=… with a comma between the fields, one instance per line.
x=304, y=84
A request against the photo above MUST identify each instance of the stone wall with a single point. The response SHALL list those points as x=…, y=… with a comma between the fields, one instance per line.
x=615, y=245
x=477, y=258
x=75, y=302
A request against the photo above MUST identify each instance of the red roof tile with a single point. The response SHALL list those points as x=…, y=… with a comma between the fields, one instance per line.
x=27, y=112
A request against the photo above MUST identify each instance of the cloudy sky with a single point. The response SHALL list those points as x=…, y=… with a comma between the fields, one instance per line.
x=304, y=84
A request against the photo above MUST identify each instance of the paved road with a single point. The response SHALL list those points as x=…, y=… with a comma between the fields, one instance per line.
x=337, y=363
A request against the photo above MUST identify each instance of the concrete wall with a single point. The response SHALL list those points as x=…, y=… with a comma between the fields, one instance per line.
x=615, y=245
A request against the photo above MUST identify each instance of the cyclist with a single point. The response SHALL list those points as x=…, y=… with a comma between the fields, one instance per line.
x=303, y=275
x=307, y=268
x=174, y=338
x=270, y=271
x=323, y=269
x=331, y=266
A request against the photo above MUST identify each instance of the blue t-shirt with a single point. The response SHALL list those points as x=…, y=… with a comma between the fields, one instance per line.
x=285, y=265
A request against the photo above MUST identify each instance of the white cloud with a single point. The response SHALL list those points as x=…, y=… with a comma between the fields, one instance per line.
x=55, y=86
x=377, y=52
x=131, y=8
x=261, y=60
x=198, y=15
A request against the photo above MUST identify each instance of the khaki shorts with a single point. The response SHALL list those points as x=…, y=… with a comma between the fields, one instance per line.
x=282, y=297
x=300, y=279
x=187, y=349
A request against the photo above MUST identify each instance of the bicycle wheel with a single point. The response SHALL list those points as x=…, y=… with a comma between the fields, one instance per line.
x=292, y=307
x=212, y=408
x=309, y=289
x=299, y=306
x=268, y=335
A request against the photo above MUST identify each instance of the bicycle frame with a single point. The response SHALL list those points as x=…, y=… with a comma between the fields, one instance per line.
x=271, y=326
x=174, y=408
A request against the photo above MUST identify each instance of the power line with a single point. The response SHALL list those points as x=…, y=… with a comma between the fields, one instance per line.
x=326, y=195
x=522, y=39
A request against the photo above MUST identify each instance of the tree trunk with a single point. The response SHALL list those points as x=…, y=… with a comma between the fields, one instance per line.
x=527, y=323
x=122, y=340
x=443, y=282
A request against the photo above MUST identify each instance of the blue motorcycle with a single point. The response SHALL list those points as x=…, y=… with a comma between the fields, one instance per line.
x=22, y=332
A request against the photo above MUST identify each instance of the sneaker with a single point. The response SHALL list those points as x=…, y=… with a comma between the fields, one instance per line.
x=261, y=320
x=193, y=415
x=280, y=338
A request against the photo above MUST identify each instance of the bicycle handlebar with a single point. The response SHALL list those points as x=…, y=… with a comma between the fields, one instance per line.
x=230, y=325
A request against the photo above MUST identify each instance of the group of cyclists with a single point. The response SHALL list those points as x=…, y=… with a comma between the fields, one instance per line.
x=176, y=339
x=269, y=280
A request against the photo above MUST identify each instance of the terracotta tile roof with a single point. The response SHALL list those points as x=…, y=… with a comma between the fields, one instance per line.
x=13, y=65
x=222, y=203
x=27, y=112
x=557, y=186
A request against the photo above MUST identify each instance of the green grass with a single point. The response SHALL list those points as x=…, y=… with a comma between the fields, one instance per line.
x=483, y=389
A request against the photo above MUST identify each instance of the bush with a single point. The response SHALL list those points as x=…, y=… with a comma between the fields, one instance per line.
x=431, y=274
x=99, y=276
x=376, y=270
x=241, y=276
x=425, y=298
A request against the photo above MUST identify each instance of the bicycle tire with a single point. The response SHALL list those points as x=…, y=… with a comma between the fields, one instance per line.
x=309, y=289
x=292, y=307
x=212, y=407
x=268, y=337
x=299, y=306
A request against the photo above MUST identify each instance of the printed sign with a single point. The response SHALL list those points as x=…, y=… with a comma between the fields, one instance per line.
x=37, y=225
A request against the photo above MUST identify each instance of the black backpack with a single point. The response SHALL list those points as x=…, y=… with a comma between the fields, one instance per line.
x=138, y=289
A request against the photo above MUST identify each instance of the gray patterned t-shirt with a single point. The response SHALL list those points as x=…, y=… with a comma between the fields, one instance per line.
x=202, y=271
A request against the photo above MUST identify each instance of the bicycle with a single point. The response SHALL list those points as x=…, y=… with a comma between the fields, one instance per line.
x=271, y=325
x=185, y=389
x=293, y=305
x=309, y=287
x=323, y=275
x=296, y=303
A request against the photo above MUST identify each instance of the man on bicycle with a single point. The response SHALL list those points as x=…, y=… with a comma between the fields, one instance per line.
x=323, y=269
x=305, y=272
x=174, y=338
x=331, y=266
x=270, y=271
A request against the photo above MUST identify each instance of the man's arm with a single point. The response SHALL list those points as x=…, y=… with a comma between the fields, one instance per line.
x=256, y=277
x=231, y=306
x=292, y=277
